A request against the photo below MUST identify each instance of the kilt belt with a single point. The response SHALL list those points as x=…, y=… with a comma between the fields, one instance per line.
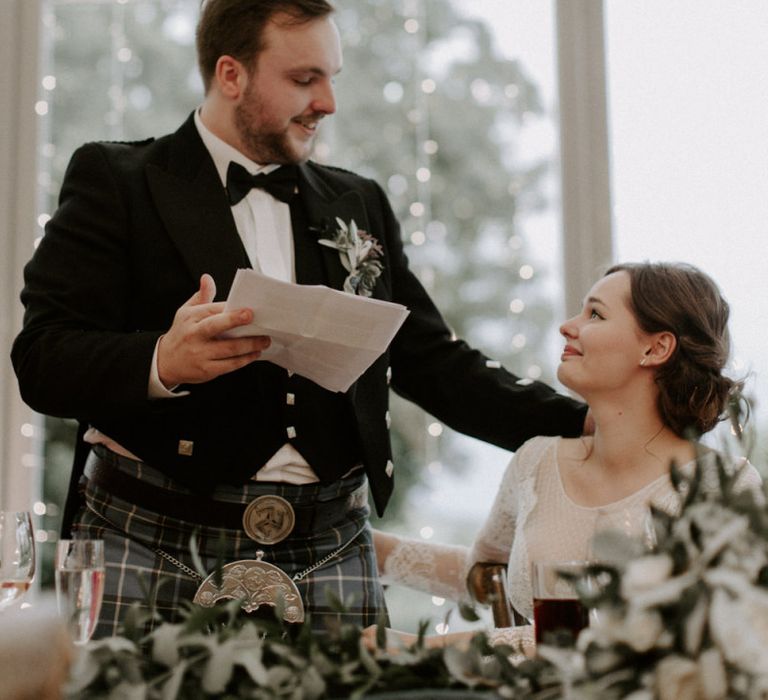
x=191, y=507
x=340, y=557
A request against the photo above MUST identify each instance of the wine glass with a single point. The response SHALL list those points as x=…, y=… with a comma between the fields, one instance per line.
x=17, y=555
x=80, y=585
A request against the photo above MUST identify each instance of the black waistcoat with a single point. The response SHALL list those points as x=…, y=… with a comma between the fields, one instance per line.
x=320, y=424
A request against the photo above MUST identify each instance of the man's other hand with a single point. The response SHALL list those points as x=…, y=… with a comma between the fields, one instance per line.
x=193, y=351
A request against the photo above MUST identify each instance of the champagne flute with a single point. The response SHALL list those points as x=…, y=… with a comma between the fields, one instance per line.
x=80, y=585
x=17, y=555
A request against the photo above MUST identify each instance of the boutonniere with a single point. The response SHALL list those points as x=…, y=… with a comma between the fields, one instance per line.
x=359, y=252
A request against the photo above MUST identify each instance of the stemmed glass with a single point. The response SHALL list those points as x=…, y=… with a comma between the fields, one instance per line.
x=17, y=555
x=80, y=585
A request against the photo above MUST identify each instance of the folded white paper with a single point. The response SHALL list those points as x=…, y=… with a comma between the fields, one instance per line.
x=328, y=336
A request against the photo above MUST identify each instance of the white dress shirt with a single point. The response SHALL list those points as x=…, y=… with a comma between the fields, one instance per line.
x=264, y=225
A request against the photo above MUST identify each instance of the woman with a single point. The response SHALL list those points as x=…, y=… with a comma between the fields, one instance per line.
x=647, y=353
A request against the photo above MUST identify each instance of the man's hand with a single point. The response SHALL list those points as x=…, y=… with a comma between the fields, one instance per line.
x=192, y=351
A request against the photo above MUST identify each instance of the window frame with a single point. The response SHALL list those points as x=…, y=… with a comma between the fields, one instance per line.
x=586, y=205
x=21, y=454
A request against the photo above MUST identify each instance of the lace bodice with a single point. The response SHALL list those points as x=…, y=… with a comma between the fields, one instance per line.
x=532, y=518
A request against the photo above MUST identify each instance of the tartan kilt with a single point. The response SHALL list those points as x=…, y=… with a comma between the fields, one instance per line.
x=132, y=535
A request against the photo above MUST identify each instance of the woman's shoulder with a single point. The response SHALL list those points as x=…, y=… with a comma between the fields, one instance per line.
x=709, y=460
x=532, y=454
x=538, y=447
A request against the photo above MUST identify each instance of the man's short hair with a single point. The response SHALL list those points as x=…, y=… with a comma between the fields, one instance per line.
x=236, y=28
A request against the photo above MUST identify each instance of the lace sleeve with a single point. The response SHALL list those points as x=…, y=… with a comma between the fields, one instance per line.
x=494, y=541
x=520, y=639
x=430, y=567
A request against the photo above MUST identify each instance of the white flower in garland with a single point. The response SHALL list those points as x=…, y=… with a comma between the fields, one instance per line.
x=359, y=253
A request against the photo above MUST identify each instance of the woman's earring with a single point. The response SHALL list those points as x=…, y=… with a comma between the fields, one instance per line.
x=643, y=361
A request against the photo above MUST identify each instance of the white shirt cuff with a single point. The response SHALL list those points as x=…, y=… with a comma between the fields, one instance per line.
x=156, y=389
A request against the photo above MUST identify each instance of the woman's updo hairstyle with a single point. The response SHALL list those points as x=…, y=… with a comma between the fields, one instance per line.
x=679, y=298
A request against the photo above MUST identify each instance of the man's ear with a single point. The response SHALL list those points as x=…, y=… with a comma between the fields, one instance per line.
x=230, y=77
x=661, y=347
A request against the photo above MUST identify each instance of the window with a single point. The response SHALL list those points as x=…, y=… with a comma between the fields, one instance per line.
x=688, y=109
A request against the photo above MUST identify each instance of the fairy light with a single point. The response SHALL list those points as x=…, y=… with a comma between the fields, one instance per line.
x=423, y=174
x=526, y=272
x=534, y=372
x=414, y=116
x=393, y=92
x=428, y=86
x=435, y=429
x=397, y=185
x=322, y=151
x=430, y=147
x=30, y=460
x=417, y=209
x=411, y=25
x=435, y=467
x=517, y=306
x=418, y=238
x=427, y=532
x=481, y=90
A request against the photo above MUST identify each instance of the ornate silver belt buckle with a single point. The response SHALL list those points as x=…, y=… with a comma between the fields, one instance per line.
x=255, y=583
x=268, y=519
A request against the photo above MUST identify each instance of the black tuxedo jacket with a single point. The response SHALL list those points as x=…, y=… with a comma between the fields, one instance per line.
x=137, y=224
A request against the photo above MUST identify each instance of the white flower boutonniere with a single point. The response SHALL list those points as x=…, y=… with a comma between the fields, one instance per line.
x=359, y=253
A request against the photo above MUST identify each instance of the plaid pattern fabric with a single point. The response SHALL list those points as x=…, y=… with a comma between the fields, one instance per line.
x=132, y=535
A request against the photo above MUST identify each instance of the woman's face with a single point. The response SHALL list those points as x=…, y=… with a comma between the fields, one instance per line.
x=604, y=345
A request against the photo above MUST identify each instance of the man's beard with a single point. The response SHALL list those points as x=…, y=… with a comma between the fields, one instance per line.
x=263, y=146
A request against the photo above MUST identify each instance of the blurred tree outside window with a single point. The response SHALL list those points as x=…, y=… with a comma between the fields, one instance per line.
x=431, y=106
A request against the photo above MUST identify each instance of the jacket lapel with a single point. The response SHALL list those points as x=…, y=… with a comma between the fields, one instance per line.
x=323, y=205
x=193, y=205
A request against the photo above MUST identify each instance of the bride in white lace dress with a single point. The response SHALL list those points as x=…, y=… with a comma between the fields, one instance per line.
x=647, y=353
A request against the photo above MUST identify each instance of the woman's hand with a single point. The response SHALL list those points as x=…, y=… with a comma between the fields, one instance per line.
x=395, y=640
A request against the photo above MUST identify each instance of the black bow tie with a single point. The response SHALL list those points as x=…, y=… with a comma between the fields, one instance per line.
x=280, y=183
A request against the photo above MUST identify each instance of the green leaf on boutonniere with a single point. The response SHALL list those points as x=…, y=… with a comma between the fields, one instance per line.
x=359, y=253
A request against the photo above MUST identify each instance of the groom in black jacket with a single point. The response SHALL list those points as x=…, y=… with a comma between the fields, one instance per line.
x=182, y=429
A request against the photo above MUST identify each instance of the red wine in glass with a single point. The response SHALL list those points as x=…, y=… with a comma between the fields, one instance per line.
x=551, y=615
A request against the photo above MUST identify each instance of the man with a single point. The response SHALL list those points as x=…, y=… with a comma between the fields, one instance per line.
x=124, y=323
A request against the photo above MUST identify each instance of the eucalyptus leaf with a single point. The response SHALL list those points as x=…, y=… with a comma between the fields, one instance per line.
x=84, y=671
x=251, y=659
x=194, y=553
x=165, y=648
x=695, y=626
x=468, y=612
x=128, y=691
x=171, y=687
x=281, y=679
x=219, y=667
x=460, y=666
x=313, y=686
